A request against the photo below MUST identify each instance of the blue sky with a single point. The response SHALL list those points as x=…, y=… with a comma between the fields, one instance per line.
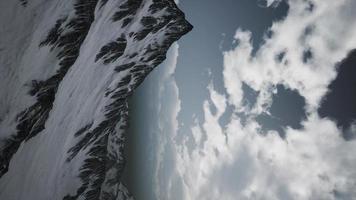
x=236, y=111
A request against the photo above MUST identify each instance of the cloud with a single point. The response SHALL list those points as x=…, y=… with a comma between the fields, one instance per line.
x=301, y=53
x=238, y=161
x=168, y=110
x=268, y=3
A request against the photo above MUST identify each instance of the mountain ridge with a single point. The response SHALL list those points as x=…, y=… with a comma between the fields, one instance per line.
x=100, y=52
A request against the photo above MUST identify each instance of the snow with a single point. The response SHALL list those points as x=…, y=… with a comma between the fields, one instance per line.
x=40, y=170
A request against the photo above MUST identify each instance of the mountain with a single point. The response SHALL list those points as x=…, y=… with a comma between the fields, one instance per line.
x=67, y=68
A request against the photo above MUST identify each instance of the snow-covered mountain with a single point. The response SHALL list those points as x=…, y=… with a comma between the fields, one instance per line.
x=67, y=68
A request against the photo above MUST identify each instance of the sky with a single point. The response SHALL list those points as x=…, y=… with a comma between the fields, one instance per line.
x=257, y=102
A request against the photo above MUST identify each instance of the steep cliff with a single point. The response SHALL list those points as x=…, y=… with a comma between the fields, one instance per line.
x=66, y=71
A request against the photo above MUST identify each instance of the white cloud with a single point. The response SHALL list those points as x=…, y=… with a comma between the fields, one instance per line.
x=268, y=3
x=237, y=161
x=240, y=163
x=327, y=31
x=168, y=110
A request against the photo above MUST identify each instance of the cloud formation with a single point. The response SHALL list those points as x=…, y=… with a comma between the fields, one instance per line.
x=301, y=52
x=268, y=3
x=168, y=109
x=238, y=161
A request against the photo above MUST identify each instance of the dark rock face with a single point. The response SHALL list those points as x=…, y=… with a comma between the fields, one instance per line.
x=127, y=9
x=112, y=51
x=99, y=145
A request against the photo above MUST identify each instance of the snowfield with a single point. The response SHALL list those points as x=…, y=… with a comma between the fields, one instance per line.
x=66, y=71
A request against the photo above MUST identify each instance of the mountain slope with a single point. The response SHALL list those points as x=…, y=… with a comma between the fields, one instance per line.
x=67, y=69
